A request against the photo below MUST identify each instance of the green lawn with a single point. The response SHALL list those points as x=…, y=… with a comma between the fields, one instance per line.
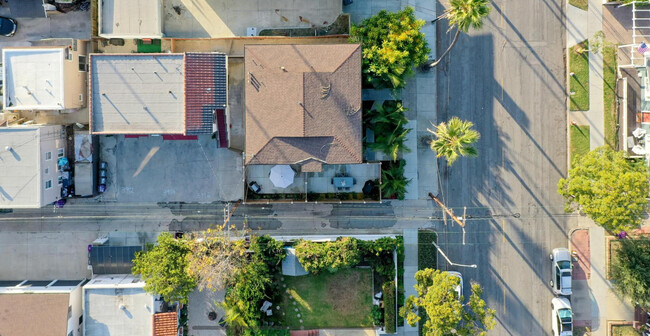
x=582, y=4
x=579, y=140
x=609, y=88
x=579, y=83
x=328, y=300
x=625, y=330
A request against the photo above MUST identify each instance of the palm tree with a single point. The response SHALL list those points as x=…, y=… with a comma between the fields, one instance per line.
x=388, y=124
x=454, y=139
x=393, y=182
x=462, y=14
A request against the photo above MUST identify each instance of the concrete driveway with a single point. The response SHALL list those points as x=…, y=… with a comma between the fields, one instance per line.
x=74, y=24
x=150, y=169
x=218, y=18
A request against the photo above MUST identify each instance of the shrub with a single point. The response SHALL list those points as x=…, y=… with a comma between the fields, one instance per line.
x=389, y=307
x=393, y=182
x=379, y=254
x=377, y=315
x=331, y=256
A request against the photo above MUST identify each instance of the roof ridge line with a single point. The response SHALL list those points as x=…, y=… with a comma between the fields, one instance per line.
x=347, y=149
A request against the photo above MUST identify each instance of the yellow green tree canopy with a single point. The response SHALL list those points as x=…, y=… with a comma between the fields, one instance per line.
x=392, y=45
x=445, y=313
x=607, y=187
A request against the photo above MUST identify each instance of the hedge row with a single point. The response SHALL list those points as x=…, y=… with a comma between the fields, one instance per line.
x=348, y=252
x=389, y=307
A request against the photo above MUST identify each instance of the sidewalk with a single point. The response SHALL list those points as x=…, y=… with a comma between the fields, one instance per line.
x=419, y=96
x=583, y=25
x=594, y=301
x=410, y=267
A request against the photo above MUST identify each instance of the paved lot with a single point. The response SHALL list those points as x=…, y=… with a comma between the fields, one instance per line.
x=150, y=169
x=217, y=18
x=509, y=80
x=200, y=304
x=44, y=255
x=69, y=25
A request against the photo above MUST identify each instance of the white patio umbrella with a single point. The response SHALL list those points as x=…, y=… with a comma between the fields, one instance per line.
x=282, y=176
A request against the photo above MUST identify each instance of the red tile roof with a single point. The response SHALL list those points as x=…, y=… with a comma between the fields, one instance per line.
x=165, y=324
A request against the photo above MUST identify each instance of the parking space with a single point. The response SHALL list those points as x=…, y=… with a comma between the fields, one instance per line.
x=150, y=169
x=218, y=18
x=74, y=24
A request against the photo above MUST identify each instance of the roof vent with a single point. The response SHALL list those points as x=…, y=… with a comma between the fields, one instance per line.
x=8, y=148
x=122, y=306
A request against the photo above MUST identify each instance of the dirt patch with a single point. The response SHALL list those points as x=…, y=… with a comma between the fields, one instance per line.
x=341, y=287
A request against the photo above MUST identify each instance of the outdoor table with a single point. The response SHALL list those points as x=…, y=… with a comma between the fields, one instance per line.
x=343, y=182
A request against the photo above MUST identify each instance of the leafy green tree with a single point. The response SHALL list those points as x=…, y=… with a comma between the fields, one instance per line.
x=393, y=182
x=163, y=267
x=454, y=139
x=463, y=15
x=630, y=270
x=269, y=250
x=444, y=311
x=379, y=254
x=392, y=45
x=331, y=256
x=388, y=124
x=607, y=187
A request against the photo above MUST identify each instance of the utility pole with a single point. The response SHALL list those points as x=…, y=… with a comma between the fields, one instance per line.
x=448, y=211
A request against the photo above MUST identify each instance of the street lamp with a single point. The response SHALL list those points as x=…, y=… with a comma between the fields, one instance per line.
x=449, y=261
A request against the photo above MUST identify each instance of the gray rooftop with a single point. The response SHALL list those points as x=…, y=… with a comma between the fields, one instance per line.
x=116, y=306
x=137, y=94
x=130, y=19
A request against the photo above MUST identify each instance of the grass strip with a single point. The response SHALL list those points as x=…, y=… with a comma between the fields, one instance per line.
x=579, y=141
x=579, y=82
x=609, y=92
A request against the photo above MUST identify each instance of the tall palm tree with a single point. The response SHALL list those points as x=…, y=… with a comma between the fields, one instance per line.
x=454, y=139
x=462, y=15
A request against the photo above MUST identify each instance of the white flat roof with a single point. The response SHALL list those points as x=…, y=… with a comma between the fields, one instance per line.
x=137, y=94
x=130, y=19
x=118, y=311
x=20, y=173
x=33, y=78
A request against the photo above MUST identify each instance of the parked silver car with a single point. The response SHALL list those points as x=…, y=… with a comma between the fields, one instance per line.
x=562, y=323
x=561, y=271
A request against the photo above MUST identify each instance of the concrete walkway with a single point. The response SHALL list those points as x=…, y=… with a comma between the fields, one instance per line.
x=583, y=25
x=419, y=96
x=410, y=267
x=594, y=301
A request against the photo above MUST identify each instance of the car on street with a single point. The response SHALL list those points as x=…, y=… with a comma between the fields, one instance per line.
x=459, y=288
x=562, y=316
x=8, y=26
x=561, y=269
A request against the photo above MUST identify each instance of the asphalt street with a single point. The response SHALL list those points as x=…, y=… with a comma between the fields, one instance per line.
x=509, y=79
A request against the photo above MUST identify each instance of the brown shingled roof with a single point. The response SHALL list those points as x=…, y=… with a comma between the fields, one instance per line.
x=303, y=102
x=165, y=324
x=34, y=314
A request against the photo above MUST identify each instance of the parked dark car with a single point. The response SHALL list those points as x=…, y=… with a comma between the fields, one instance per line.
x=8, y=26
